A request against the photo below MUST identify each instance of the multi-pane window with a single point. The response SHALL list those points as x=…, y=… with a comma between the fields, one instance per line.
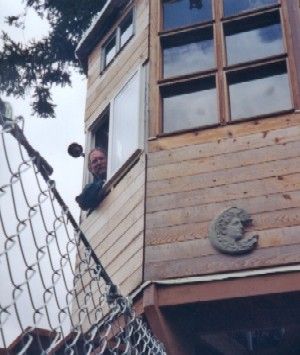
x=221, y=61
x=117, y=40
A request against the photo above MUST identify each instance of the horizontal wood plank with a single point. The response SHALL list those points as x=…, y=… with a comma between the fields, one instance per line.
x=222, y=263
x=224, y=161
x=213, y=134
x=240, y=190
x=261, y=221
x=224, y=146
x=253, y=205
x=224, y=177
x=202, y=247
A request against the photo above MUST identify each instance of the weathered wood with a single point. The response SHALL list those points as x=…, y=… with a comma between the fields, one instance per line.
x=224, y=146
x=115, y=246
x=224, y=161
x=202, y=246
x=234, y=130
x=224, y=177
x=103, y=95
x=228, y=289
x=128, y=268
x=240, y=190
x=221, y=263
x=194, y=214
x=121, y=220
x=159, y=324
x=119, y=194
x=141, y=23
x=155, y=69
x=118, y=263
x=133, y=281
x=263, y=221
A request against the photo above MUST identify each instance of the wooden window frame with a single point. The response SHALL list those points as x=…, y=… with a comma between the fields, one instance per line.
x=289, y=18
x=116, y=32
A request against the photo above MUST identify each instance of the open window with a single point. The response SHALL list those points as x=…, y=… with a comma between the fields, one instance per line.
x=118, y=128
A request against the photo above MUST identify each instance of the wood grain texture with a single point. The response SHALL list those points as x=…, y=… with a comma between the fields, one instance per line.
x=224, y=177
x=213, y=135
x=192, y=178
x=116, y=229
x=221, y=263
x=102, y=88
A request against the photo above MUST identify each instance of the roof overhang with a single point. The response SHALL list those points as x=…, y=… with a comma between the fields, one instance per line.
x=100, y=25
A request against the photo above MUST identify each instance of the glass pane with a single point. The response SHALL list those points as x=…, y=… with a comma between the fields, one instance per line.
x=255, y=38
x=190, y=105
x=233, y=7
x=259, y=91
x=109, y=51
x=126, y=30
x=182, y=13
x=189, y=53
x=125, y=123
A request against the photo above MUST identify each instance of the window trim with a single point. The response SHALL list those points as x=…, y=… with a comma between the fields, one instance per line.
x=115, y=31
x=114, y=178
x=157, y=35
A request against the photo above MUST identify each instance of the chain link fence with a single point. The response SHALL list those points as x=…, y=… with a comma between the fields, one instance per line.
x=56, y=298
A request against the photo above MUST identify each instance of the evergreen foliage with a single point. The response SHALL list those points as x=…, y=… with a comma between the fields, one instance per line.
x=38, y=65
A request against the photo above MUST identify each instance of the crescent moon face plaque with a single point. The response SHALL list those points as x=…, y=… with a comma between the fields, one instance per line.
x=227, y=232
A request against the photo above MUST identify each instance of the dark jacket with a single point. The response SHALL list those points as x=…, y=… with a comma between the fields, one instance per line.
x=91, y=195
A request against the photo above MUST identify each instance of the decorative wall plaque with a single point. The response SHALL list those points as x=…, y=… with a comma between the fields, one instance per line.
x=227, y=232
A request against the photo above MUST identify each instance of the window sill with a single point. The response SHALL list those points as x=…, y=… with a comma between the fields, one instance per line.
x=113, y=181
x=122, y=171
x=229, y=123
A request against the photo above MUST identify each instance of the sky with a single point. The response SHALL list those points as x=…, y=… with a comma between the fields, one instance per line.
x=51, y=138
x=43, y=133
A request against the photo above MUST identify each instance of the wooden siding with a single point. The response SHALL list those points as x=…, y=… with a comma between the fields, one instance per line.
x=192, y=177
x=102, y=88
x=116, y=229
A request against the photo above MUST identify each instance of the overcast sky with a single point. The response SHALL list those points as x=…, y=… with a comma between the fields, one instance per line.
x=51, y=138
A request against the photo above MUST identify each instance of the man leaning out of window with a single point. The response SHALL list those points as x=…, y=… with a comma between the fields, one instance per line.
x=93, y=194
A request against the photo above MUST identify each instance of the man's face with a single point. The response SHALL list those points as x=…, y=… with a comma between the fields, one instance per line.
x=98, y=163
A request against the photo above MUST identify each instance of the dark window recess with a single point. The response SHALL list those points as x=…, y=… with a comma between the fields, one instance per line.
x=110, y=50
x=184, y=13
x=188, y=53
x=259, y=90
x=101, y=132
x=234, y=7
x=126, y=30
x=253, y=38
x=190, y=105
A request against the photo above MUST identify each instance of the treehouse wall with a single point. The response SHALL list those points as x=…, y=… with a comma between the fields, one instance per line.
x=192, y=177
x=116, y=229
x=101, y=88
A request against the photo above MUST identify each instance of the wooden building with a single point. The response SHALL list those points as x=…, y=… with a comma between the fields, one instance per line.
x=198, y=105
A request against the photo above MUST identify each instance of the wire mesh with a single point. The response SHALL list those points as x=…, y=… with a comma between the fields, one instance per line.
x=55, y=298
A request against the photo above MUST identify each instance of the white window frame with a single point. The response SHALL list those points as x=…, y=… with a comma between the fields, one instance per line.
x=112, y=123
x=90, y=139
x=117, y=34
